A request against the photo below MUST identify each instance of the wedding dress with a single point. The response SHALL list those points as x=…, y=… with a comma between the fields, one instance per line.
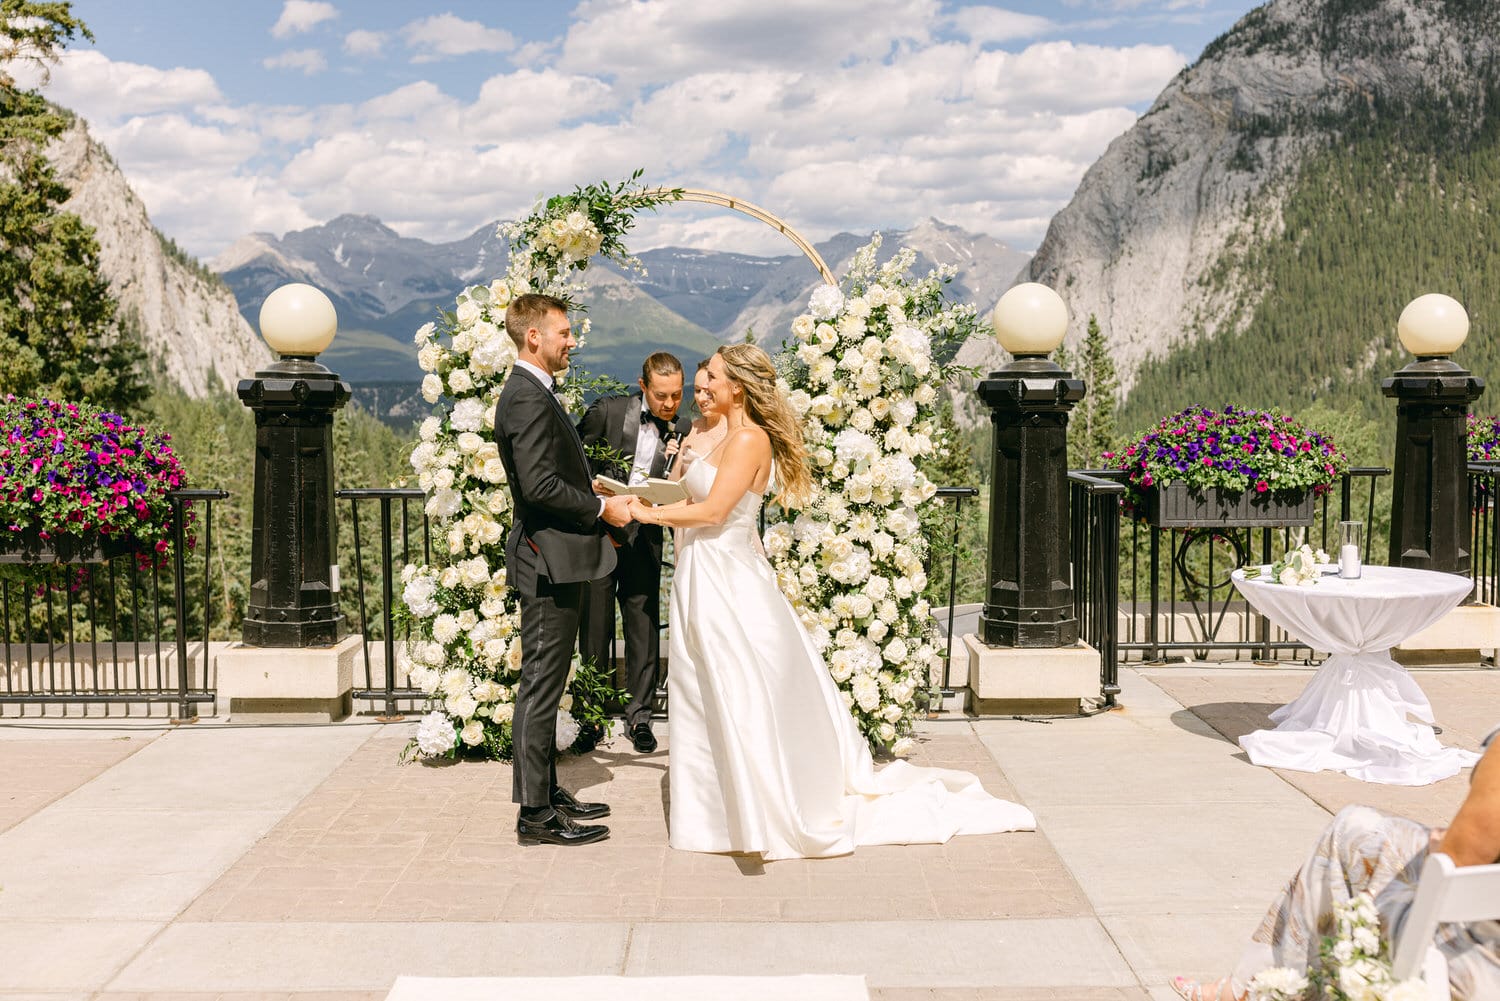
x=764, y=756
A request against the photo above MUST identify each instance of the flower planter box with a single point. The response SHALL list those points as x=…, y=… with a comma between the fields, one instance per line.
x=27, y=546
x=1178, y=506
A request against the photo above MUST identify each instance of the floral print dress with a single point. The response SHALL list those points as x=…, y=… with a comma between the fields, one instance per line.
x=1364, y=849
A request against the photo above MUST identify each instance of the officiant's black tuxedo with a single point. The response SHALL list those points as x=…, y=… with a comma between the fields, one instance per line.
x=635, y=583
x=556, y=546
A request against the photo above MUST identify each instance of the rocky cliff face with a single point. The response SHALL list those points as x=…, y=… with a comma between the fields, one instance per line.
x=1154, y=239
x=186, y=318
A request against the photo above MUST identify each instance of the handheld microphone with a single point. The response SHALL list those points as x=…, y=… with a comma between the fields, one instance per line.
x=672, y=436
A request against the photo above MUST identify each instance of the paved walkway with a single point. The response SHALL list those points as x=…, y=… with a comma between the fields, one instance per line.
x=304, y=863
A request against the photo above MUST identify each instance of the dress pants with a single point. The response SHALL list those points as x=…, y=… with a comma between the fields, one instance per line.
x=549, y=630
x=636, y=585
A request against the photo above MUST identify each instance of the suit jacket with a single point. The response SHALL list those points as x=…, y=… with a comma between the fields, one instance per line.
x=615, y=421
x=556, y=511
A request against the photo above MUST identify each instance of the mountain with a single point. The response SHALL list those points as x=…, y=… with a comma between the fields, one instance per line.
x=384, y=286
x=1254, y=236
x=185, y=316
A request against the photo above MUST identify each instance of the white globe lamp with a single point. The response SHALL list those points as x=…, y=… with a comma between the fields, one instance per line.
x=1030, y=320
x=298, y=321
x=1433, y=325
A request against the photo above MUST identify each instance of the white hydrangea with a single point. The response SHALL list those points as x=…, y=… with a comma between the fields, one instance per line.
x=419, y=596
x=825, y=302
x=435, y=735
x=468, y=414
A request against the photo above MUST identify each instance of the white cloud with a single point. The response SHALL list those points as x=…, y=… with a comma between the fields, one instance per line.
x=298, y=16
x=100, y=88
x=364, y=43
x=445, y=35
x=655, y=41
x=830, y=127
x=308, y=61
x=1065, y=76
x=994, y=24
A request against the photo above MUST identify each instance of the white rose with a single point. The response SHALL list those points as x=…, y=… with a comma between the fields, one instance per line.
x=902, y=747
x=472, y=733
x=503, y=713
x=468, y=310
x=424, y=332
x=450, y=577
x=460, y=381
x=886, y=732
x=802, y=327
x=432, y=387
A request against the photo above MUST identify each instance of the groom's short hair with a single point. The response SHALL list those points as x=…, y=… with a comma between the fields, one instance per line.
x=660, y=363
x=526, y=311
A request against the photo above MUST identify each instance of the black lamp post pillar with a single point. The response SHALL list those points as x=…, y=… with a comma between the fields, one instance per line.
x=1030, y=597
x=293, y=597
x=1430, y=494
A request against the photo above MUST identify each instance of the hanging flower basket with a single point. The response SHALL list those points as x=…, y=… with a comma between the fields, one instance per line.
x=79, y=484
x=28, y=546
x=1178, y=505
x=1227, y=468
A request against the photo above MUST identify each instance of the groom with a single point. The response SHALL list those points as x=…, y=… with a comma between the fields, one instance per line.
x=640, y=429
x=557, y=544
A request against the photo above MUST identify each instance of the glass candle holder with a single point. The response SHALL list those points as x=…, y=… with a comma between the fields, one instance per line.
x=1351, y=546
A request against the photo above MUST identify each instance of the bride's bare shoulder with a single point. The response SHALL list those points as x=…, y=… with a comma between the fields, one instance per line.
x=750, y=438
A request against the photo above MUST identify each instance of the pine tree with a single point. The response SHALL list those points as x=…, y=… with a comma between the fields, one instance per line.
x=1103, y=397
x=58, y=333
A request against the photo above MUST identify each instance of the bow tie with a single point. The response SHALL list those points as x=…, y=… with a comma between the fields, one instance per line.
x=663, y=427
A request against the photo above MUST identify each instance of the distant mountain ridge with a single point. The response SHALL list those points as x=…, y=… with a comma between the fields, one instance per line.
x=187, y=320
x=1253, y=237
x=384, y=286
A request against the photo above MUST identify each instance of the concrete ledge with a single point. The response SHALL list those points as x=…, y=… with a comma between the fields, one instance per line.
x=1467, y=627
x=1020, y=679
x=281, y=684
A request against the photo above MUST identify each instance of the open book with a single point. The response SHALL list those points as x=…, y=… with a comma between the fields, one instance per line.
x=654, y=491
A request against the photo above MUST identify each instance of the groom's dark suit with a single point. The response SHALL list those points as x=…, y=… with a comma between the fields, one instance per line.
x=615, y=421
x=557, y=544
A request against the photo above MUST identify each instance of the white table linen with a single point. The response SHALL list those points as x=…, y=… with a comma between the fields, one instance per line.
x=1352, y=716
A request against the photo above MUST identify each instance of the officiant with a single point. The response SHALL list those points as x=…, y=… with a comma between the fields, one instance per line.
x=642, y=431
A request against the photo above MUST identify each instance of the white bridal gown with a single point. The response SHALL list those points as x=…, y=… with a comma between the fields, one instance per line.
x=764, y=756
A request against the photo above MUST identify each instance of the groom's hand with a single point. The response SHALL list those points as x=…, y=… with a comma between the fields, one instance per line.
x=617, y=510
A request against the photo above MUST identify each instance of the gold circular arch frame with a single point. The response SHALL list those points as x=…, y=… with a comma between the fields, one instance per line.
x=757, y=213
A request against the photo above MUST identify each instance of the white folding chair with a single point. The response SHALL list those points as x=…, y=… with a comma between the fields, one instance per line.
x=1446, y=893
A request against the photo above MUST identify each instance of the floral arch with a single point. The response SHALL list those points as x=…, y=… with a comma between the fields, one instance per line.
x=860, y=366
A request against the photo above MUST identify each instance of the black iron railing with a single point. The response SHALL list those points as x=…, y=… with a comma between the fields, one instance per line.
x=100, y=633
x=1484, y=538
x=396, y=526
x=958, y=495
x=1094, y=508
x=1174, y=595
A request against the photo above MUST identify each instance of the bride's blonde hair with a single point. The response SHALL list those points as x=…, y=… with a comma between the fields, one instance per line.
x=750, y=368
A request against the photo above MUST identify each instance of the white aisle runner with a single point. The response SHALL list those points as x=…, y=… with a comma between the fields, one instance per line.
x=799, y=988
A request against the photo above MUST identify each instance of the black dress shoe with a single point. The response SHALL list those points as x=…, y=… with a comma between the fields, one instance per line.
x=642, y=737
x=564, y=803
x=589, y=736
x=558, y=830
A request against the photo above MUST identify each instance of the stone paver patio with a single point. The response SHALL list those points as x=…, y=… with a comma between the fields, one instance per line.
x=306, y=863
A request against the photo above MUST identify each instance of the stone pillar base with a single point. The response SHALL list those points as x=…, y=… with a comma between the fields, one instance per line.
x=1051, y=680
x=287, y=684
x=1456, y=638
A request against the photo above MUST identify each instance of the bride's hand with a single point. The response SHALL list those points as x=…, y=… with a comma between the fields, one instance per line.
x=641, y=511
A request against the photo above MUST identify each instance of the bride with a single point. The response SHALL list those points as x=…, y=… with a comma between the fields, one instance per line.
x=764, y=757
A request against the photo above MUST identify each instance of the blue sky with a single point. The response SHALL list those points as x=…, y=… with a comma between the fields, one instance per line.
x=270, y=115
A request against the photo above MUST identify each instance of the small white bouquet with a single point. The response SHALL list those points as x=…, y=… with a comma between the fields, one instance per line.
x=1353, y=966
x=1300, y=567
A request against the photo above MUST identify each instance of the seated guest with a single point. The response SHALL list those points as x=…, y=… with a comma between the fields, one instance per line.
x=1366, y=850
